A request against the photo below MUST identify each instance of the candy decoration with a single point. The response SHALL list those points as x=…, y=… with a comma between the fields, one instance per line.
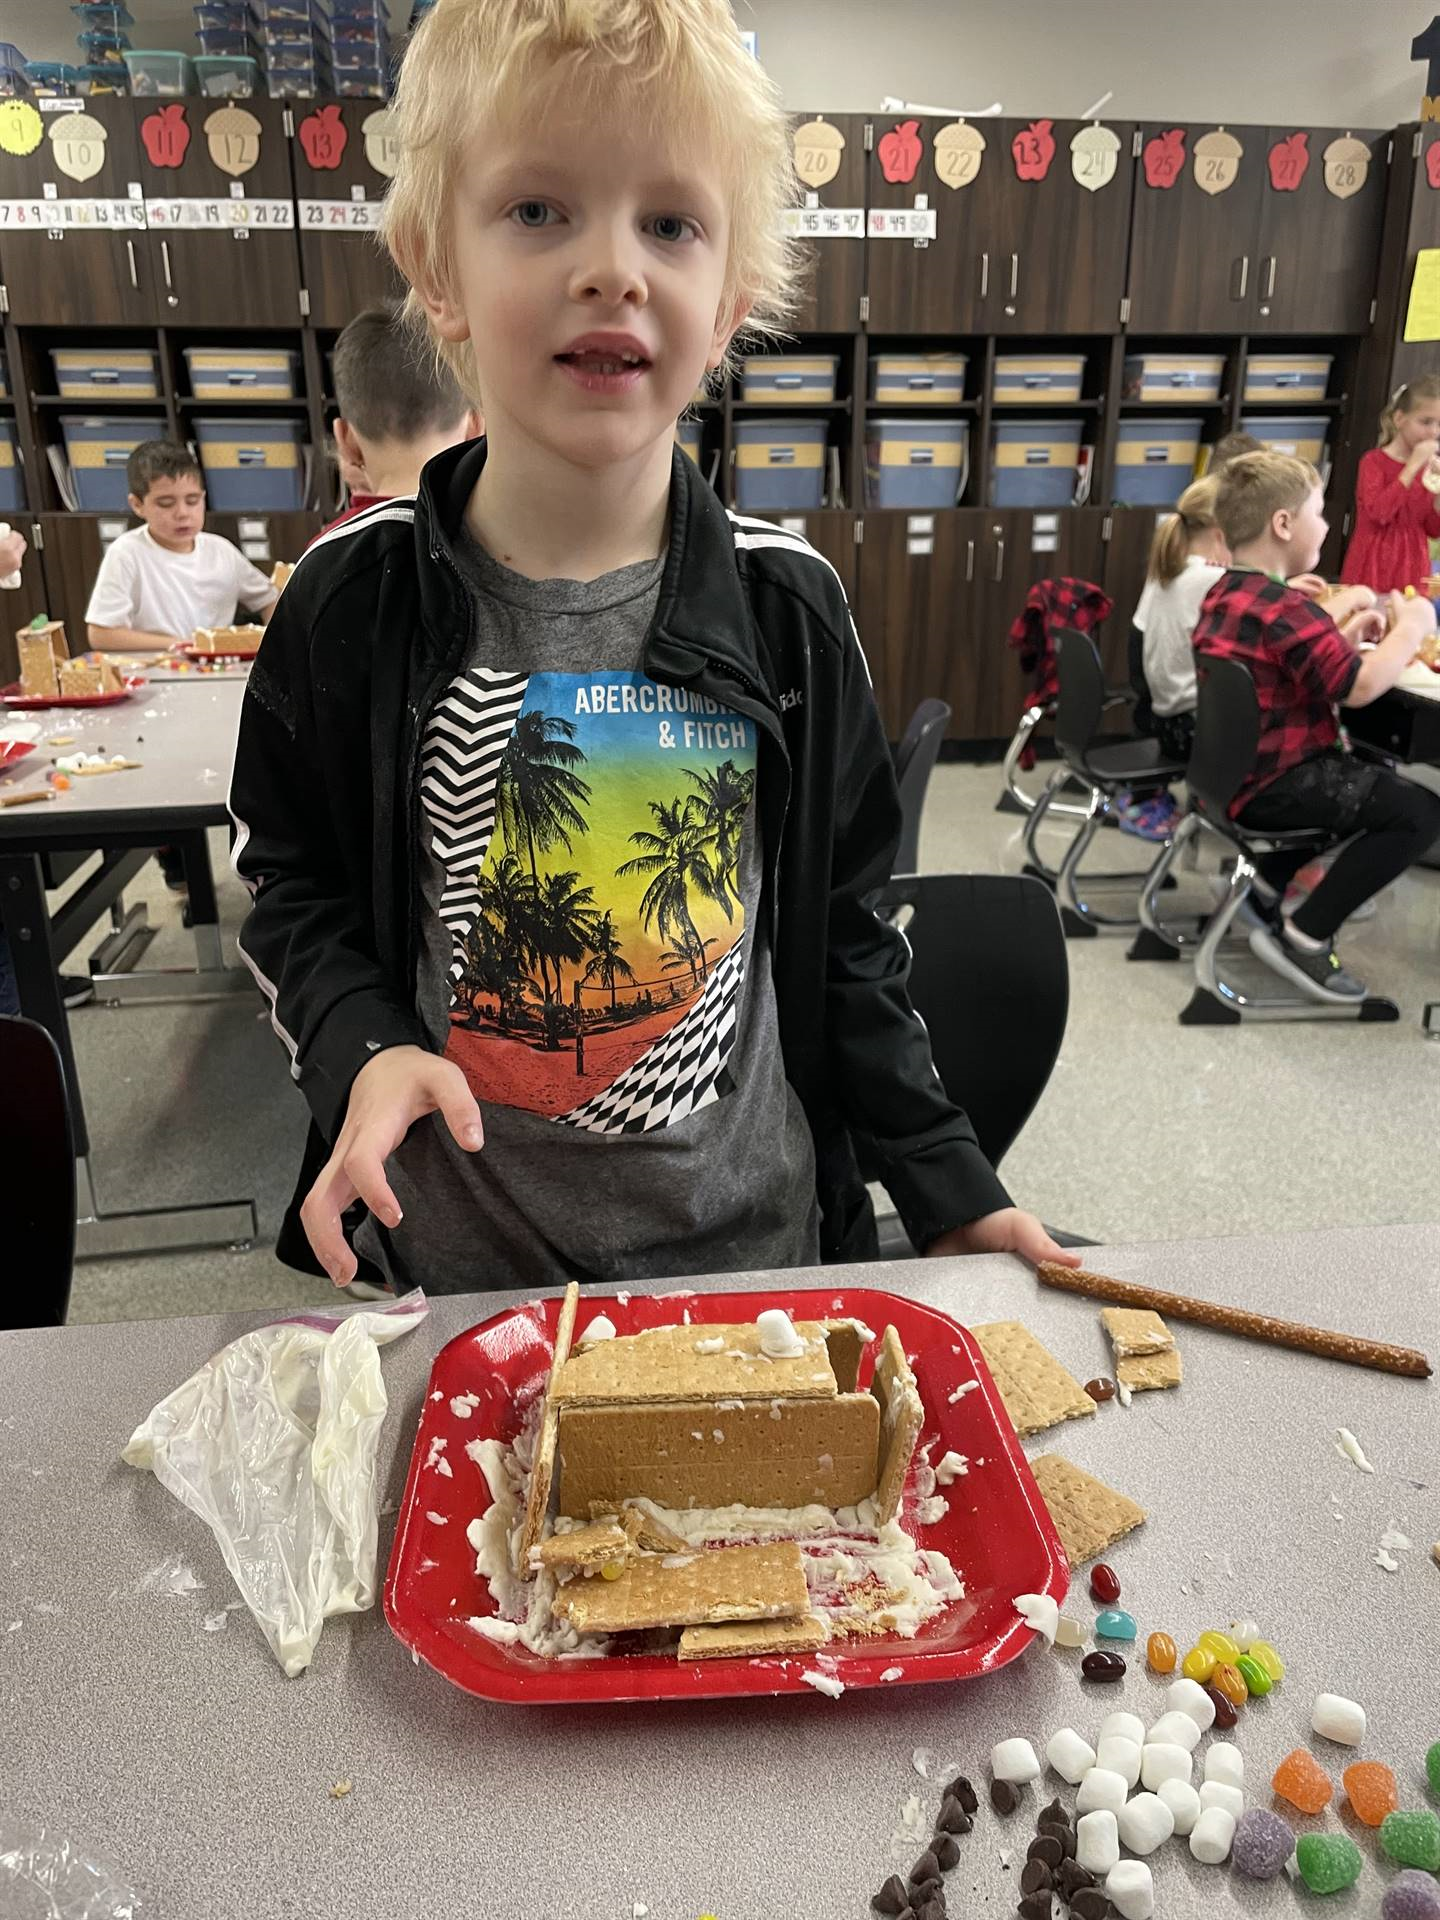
x=1097, y=1841
x=1338, y=1719
x=1219, y=1793
x=1104, y=1584
x=1220, y=1644
x=1413, y=1839
x=324, y=137
x=1269, y=1659
x=166, y=134
x=1198, y=1664
x=1014, y=1760
x=1101, y=1791
x=1033, y=149
x=1130, y=1888
x=1145, y=1823
x=1070, y=1756
x=1328, y=1862
x=1257, y=1681
x=1114, y=1624
x=1183, y=1696
x=1432, y=1767
x=1411, y=1896
x=1244, y=1633
x=1370, y=1788
x=1070, y=1633
x=1103, y=1667
x=1302, y=1781
x=1123, y=1726
x=77, y=141
x=1224, y=1761
x=1212, y=1835
x=1184, y=1804
x=1226, y=1711
x=1161, y=1762
x=1174, y=1729
x=1289, y=162
x=1116, y=1755
x=1160, y=1653
x=1163, y=157
x=1263, y=1843
x=959, y=153
x=1100, y=1389
x=1226, y=1679
x=1432, y=165
x=899, y=152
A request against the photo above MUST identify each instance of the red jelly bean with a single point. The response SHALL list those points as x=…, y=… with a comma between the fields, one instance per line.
x=1105, y=1584
x=1225, y=1714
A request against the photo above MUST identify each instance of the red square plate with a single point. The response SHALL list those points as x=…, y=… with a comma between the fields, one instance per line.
x=997, y=1533
x=11, y=696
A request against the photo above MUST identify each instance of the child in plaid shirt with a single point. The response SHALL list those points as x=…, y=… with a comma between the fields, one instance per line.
x=1270, y=509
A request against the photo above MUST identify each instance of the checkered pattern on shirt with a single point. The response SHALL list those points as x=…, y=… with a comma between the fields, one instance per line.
x=1301, y=663
x=1050, y=605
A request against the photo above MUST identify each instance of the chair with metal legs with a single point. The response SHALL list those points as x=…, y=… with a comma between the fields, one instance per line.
x=915, y=759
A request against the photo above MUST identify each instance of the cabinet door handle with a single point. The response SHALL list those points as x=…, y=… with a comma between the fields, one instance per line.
x=969, y=561
x=1269, y=292
x=984, y=275
x=999, y=559
x=1014, y=274
x=165, y=262
x=1238, y=292
x=130, y=256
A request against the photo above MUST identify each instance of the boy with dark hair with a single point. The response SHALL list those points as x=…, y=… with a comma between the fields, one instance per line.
x=162, y=580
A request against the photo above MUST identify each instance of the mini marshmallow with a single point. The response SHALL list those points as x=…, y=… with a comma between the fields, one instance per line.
x=1220, y=1793
x=602, y=1327
x=1188, y=1696
x=1211, y=1835
x=1130, y=1889
x=1119, y=1756
x=1039, y=1612
x=1097, y=1841
x=1014, y=1760
x=1160, y=1761
x=1145, y=1822
x=778, y=1338
x=1338, y=1719
x=1070, y=1756
x=1174, y=1730
x=1183, y=1801
x=1224, y=1761
x=1101, y=1792
x=1125, y=1726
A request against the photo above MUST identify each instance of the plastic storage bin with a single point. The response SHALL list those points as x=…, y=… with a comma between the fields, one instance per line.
x=92, y=373
x=225, y=43
x=234, y=373
x=158, y=74
x=1035, y=462
x=688, y=433
x=252, y=465
x=1288, y=376
x=915, y=463
x=12, y=480
x=53, y=79
x=224, y=14
x=101, y=81
x=360, y=85
x=97, y=449
x=1302, y=435
x=14, y=73
x=4, y=379
x=1032, y=379
x=796, y=379
x=231, y=76
x=1155, y=460
x=780, y=465
x=111, y=15
x=1167, y=377
x=918, y=379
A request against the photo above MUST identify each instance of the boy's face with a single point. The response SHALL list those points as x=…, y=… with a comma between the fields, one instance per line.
x=173, y=510
x=590, y=264
x=1304, y=532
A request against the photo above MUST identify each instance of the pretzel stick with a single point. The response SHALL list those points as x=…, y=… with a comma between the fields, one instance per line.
x=1254, y=1326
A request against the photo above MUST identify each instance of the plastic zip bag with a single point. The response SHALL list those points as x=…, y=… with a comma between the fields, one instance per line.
x=273, y=1444
x=43, y=1874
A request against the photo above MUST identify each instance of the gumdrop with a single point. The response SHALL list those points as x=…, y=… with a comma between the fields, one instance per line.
x=1413, y=1839
x=1263, y=1843
x=1328, y=1861
x=1371, y=1790
x=1411, y=1896
x=1432, y=1767
x=1302, y=1781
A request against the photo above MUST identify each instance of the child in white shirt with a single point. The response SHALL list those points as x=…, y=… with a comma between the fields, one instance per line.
x=1188, y=555
x=161, y=581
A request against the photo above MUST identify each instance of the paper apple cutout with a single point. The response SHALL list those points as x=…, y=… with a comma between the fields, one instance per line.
x=166, y=134
x=1289, y=161
x=1432, y=165
x=1163, y=158
x=323, y=136
x=900, y=151
x=1034, y=149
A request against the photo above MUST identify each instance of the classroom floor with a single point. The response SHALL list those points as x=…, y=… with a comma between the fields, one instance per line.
x=1148, y=1130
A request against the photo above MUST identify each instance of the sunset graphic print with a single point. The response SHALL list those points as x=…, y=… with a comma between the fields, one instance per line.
x=590, y=829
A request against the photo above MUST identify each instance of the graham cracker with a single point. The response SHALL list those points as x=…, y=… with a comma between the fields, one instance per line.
x=1036, y=1389
x=42, y=651
x=1135, y=1330
x=751, y=1638
x=1142, y=1370
x=901, y=1418
x=79, y=677
x=769, y=1453
x=845, y=1343
x=244, y=639
x=537, y=1502
x=692, y=1589
x=668, y=1363
x=593, y=1546
x=642, y=1529
x=1088, y=1515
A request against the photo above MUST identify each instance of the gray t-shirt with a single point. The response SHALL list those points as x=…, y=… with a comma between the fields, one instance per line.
x=594, y=962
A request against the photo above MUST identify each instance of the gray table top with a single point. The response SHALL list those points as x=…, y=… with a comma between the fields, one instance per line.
x=183, y=737
x=187, y=1758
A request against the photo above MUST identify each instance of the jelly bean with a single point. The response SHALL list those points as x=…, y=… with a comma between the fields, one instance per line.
x=1103, y=1666
x=1226, y=1712
x=1104, y=1584
x=1432, y=1767
x=1243, y=1633
x=1226, y=1679
x=1411, y=1896
x=1220, y=1644
x=1114, y=1624
x=1413, y=1839
x=1257, y=1681
x=1263, y=1843
x=1262, y=1651
x=1100, y=1389
x=1160, y=1653
x=1370, y=1788
x=612, y=1569
x=1327, y=1861
x=1070, y=1633
x=1198, y=1664
x=1302, y=1781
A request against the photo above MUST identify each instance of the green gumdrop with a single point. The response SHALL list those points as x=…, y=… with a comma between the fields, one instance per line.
x=1432, y=1767
x=1413, y=1839
x=40, y=620
x=1327, y=1861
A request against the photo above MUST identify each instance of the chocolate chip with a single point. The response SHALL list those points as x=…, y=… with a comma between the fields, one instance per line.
x=933, y=1909
x=925, y=1872
x=947, y=1850
x=1055, y=1811
x=1036, y=1878
x=952, y=1817
x=1049, y=1848
x=1035, y=1906
x=964, y=1793
x=1003, y=1796
x=1072, y=1878
x=1090, y=1903
x=1065, y=1836
x=892, y=1897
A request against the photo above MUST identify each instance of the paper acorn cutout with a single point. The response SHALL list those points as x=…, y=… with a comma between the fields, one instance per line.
x=1347, y=165
x=78, y=143
x=1095, y=156
x=382, y=148
x=1217, y=161
x=818, y=146
x=233, y=137
x=959, y=152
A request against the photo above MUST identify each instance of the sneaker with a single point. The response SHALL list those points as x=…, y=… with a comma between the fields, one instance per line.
x=1153, y=820
x=76, y=989
x=1319, y=974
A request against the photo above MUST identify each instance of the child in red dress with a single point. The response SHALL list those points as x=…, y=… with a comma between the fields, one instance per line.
x=1395, y=513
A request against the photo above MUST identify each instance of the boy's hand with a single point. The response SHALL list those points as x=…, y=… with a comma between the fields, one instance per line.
x=1364, y=628
x=1310, y=583
x=1008, y=1231
x=388, y=1095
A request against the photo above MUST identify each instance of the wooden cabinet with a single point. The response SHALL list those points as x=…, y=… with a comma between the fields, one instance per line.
x=1021, y=246
x=1318, y=249
x=835, y=264
x=344, y=268
x=71, y=557
x=1194, y=250
x=75, y=249
x=19, y=606
x=215, y=267
x=1017, y=549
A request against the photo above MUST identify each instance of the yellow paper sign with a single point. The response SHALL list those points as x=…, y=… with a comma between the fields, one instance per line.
x=1422, y=317
x=21, y=128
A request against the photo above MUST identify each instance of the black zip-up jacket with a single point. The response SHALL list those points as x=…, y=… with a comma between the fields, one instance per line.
x=370, y=630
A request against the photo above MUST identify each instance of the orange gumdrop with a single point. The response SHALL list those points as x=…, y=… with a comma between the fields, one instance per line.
x=1371, y=1790
x=1302, y=1781
x=60, y=782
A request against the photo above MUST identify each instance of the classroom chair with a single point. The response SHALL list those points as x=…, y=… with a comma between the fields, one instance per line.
x=915, y=759
x=37, y=1152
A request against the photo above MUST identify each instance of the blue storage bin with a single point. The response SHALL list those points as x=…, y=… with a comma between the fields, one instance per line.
x=1035, y=463
x=790, y=378
x=299, y=83
x=1155, y=460
x=252, y=464
x=4, y=379
x=12, y=480
x=1287, y=376
x=361, y=85
x=689, y=433
x=225, y=43
x=227, y=15
x=780, y=465
x=918, y=379
x=53, y=78
x=97, y=449
x=104, y=50
x=1167, y=377
x=915, y=463
x=292, y=13
x=90, y=373
x=103, y=14
x=233, y=373
x=1302, y=435
x=1033, y=379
